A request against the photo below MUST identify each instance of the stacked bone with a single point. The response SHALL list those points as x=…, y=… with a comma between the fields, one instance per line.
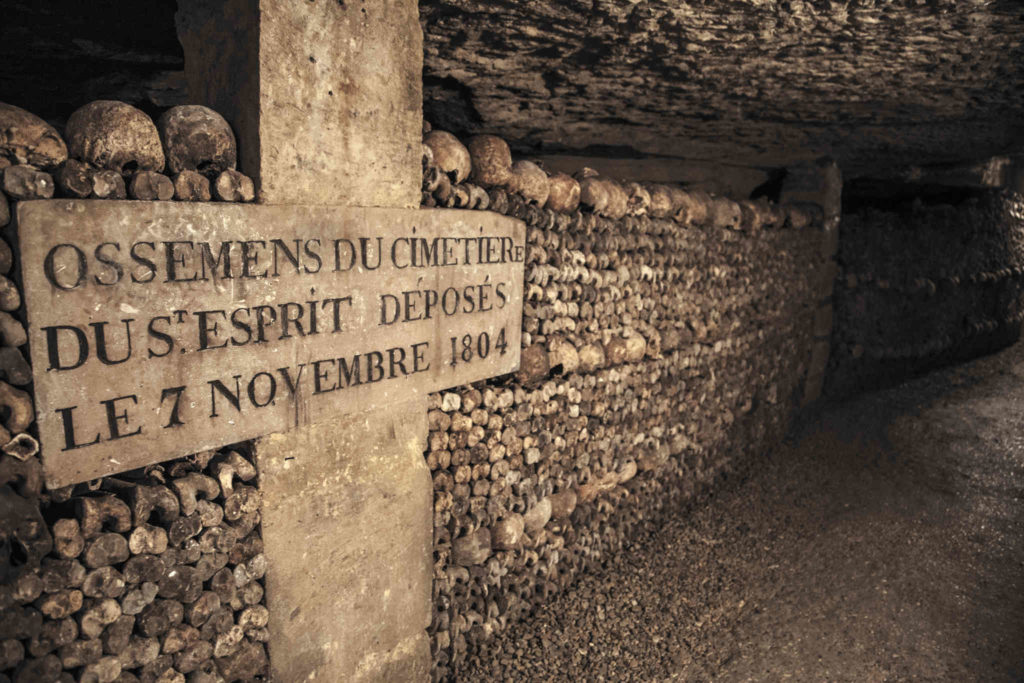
x=115, y=151
x=152, y=575
x=926, y=286
x=94, y=585
x=28, y=148
x=665, y=336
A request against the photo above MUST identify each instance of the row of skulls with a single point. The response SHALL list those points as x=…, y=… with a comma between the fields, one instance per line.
x=107, y=144
x=486, y=160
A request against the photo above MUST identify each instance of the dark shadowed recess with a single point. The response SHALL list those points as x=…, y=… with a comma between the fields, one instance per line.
x=59, y=54
x=890, y=195
x=930, y=275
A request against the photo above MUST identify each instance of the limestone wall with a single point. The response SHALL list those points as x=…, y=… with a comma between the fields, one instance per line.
x=922, y=285
x=659, y=352
x=762, y=82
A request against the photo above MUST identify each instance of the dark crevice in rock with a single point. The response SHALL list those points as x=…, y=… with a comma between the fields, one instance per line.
x=59, y=55
x=771, y=188
x=901, y=197
x=450, y=105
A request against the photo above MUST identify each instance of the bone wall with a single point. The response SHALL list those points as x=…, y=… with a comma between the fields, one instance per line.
x=659, y=353
x=149, y=575
x=667, y=339
x=925, y=284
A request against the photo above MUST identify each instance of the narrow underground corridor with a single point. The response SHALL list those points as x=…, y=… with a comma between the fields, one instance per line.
x=884, y=540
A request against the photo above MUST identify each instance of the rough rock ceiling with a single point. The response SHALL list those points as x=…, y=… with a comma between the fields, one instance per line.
x=876, y=83
x=59, y=54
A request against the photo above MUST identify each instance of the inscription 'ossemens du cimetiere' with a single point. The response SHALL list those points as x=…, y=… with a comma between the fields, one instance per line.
x=162, y=329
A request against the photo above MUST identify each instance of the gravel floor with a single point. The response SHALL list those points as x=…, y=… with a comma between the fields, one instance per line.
x=884, y=541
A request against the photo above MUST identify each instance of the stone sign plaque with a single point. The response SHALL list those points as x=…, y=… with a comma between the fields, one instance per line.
x=159, y=329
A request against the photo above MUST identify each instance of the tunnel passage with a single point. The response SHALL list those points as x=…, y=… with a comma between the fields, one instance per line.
x=664, y=353
x=928, y=276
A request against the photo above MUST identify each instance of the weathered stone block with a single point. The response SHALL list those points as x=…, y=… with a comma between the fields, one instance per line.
x=830, y=239
x=165, y=328
x=820, y=182
x=347, y=533
x=325, y=98
x=819, y=358
x=812, y=388
x=825, y=278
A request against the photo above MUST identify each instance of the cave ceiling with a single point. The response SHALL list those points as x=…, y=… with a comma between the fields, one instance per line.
x=875, y=84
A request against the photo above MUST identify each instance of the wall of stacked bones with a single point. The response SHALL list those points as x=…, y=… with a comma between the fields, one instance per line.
x=149, y=575
x=924, y=285
x=666, y=338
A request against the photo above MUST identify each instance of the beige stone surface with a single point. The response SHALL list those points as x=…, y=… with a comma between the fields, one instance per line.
x=144, y=349
x=325, y=97
x=347, y=530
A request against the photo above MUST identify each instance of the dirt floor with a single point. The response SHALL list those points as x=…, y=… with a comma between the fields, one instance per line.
x=883, y=542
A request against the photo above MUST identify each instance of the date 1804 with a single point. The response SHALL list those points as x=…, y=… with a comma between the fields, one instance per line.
x=468, y=347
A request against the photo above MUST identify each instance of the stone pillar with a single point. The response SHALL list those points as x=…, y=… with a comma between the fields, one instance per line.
x=819, y=182
x=325, y=97
x=347, y=510
x=326, y=101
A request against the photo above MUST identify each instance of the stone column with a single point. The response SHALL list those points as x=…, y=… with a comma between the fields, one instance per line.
x=325, y=97
x=326, y=101
x=347, y=510
x=821, y=183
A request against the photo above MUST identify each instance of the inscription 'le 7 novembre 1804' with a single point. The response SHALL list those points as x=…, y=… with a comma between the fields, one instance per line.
x=160, y=329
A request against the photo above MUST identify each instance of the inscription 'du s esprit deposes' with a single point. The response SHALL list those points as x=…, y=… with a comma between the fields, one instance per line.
x=160, y=329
